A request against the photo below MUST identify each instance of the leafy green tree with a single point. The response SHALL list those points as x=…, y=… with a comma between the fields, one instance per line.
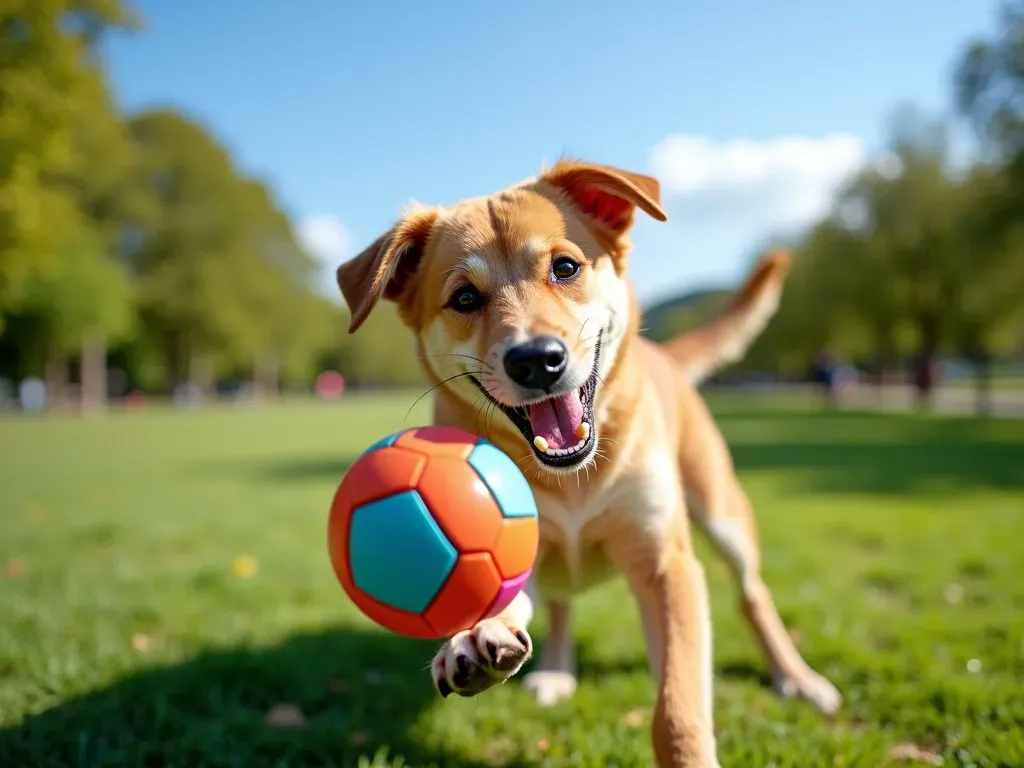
x=989, y=86
x=989, y=277
x=47, y=86
x=79, y=306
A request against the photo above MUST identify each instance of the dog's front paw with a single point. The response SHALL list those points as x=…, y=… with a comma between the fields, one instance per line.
x=474, y=660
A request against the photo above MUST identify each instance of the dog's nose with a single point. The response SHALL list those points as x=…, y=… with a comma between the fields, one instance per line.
x=537, y=363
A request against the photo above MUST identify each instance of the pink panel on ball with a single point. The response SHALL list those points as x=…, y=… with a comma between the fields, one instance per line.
x=509, y=589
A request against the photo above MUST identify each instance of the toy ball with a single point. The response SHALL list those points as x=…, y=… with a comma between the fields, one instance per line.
x=431, y=530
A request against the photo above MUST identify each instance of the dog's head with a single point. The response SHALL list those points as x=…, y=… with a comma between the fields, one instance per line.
x=519, y=298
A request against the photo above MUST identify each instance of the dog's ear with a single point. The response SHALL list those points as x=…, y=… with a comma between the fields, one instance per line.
x=607, y=196
x=387, y=268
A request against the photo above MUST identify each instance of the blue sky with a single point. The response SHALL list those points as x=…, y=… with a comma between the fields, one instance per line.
x=749, y=112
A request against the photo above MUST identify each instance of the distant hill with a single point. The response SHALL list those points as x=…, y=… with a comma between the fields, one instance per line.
x=668, y=318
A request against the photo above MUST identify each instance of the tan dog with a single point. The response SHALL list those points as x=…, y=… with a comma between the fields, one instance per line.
x=524, y=319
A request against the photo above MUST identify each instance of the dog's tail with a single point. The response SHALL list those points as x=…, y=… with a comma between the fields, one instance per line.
x=726, y=339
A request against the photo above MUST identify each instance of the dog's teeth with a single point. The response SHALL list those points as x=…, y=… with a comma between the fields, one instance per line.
x=583, y=430
x=541, y=443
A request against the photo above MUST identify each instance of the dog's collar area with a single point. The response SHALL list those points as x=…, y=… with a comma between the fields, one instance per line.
x=562, y=457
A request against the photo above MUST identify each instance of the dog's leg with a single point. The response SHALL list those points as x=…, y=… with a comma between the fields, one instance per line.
x=670, y=588
x=731, y=527
x=555, y=678
x=489, y=653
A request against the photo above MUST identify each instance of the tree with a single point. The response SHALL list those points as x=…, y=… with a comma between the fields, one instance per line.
x=223, y=283
x=989, y=85
x=989, y=276
x=81, y=304
x=46, y=77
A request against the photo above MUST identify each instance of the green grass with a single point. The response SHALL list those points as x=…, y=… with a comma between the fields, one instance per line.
x=894, y=545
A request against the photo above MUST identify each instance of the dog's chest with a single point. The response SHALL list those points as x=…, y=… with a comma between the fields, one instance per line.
x=573, y=555
x=577, y=529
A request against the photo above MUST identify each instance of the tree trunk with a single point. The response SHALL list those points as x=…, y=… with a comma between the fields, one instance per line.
x=983, y=383
x=55, y=376
x=884, y=356
x=94, y=374
x=200, y=374
x=926, y=361
x=265, y=375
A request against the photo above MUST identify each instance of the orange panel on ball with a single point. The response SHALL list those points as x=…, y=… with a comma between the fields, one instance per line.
x=461, y=503
x=517, y=545
x=438, y=441
x=381, y=473
x=338, y=525
x=470, y=589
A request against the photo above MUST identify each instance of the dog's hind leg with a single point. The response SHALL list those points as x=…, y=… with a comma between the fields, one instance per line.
x=729, y=523
x=555, y=677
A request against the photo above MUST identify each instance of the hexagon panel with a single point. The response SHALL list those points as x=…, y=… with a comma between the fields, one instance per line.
x=461, y=503
x=507, y=483
x=398, y=554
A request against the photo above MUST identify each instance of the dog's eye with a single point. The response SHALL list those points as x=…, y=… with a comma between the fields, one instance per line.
x=466, y=299
x=564, y=268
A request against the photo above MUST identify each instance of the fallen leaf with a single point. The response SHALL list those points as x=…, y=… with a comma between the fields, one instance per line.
x=140, y=642
x=358, y=739
x=634, y=718
x=244, y=566
x=337, y=685
x=912, y=752
x=14, y=569
x=285, y=716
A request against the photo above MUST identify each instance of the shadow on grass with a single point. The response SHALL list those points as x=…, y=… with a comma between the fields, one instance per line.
x=211, y=710
x=896, y=455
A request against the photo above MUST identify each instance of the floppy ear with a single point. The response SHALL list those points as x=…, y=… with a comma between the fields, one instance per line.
x=607, y=196
x=386, y=267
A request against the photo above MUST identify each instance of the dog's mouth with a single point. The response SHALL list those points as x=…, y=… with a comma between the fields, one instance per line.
x=559, y=428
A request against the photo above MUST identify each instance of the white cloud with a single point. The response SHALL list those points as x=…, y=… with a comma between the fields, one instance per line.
x=753, y=188
x=326, y=238
x=727, y=198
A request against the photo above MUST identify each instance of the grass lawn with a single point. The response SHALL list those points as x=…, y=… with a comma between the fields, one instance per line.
x=166, y=584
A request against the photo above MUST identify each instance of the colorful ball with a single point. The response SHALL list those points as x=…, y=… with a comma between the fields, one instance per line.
x=431, y=530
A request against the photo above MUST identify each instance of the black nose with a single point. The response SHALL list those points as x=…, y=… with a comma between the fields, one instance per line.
x=537, y=363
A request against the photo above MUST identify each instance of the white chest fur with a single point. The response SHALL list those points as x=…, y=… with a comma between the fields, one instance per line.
x=579, y=526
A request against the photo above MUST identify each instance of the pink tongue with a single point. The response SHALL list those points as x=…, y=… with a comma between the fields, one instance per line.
x=557, y=419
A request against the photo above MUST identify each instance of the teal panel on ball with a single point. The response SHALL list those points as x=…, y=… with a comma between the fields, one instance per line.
x=398, y=553
x=384, y=442
x=507, y=484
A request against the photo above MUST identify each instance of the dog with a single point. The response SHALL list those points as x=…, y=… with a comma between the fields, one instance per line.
x=525, y=322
